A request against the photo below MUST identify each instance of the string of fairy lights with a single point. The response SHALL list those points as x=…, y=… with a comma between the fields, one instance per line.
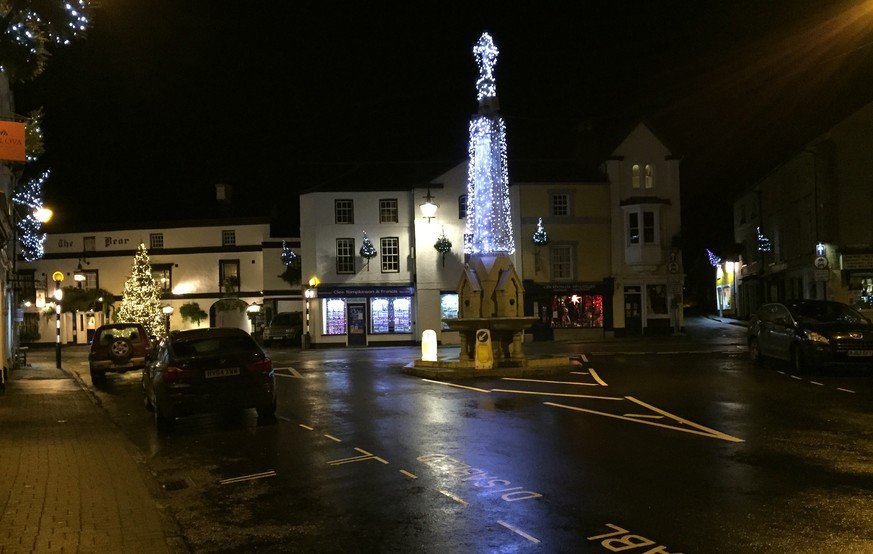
x=29, y=195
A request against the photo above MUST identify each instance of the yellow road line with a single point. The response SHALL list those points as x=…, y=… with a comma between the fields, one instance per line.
x=307, y=427
x=457, y=499
x=410, y=475
x=685, y=421
x=544, y=381
x=333, y=438
x=518, y=531
x=597, y=377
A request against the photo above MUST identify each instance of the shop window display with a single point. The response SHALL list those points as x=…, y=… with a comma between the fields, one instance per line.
x=577, y=310
x=335, y=317
x=391, y=315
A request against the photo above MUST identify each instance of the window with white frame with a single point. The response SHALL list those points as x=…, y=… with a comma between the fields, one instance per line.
x=448, y=308
x=390, y=253
x=391, y=315
x=650, y=176
x=344, y=210
x=228, y=237
x=163, y=276
x=345, y=255
x=334, y=316
x=561, y=262
x=635, y=176
x=156, y=240
x=388, y=210
x=560, y=204
x=642, y=227
x=228, y=276
x=648, y=227
x=462, y=206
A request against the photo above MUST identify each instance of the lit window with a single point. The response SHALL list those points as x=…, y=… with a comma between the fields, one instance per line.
x=344, y=211
x=390, y=254
x=448, y=307
x=635, y=176
x=228, y=276
x=391, y=315
x=388, y=210
x=345, y=255
x=228, y=237
x=561, y=261
x=156, y=240
x=335, y=316
x=560, y=204
x=162, y=274
x=650, y=176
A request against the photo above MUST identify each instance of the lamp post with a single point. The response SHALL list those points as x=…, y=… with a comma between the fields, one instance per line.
x=58, y=277
x=168, y=311
x=309, y=293
x=428, y=207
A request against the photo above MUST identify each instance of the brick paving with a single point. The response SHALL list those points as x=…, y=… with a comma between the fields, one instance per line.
x=69, y=479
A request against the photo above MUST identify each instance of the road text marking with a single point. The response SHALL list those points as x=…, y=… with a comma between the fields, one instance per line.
x=622, y=539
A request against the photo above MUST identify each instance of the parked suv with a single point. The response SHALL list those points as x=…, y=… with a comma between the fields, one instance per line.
x=117, y=347
x=285, y=327
x=811, y=333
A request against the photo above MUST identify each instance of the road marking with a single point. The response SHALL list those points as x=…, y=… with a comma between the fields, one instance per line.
x=558, y=394
x=307, y=427
x=518, y=531
x=597, y=377
x=454, y=385
x=780, y=372
x=846, y=390
x=333, y=438
x=817, y=383
x=364, y=457
x=294, y=374
x=579, y=372
x=455, y=498
x=650, y=416
x=410, y=475
x=697, y=429
x=584, y=358
x=553, y=382
x=252, y=477
x=796, y=377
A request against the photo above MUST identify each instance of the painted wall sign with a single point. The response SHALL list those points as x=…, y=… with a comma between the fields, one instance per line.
x=12, y=141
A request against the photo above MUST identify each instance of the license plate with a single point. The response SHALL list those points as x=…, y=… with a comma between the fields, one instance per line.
x=223, y=372
x=861, y=353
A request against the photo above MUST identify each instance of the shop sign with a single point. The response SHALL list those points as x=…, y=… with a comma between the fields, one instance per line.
x=12, y=141
x=348, y=292
x=856, y=261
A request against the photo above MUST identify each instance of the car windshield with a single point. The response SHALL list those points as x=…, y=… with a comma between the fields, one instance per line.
x=285, y=319
x=215, y=345
x=827, y=312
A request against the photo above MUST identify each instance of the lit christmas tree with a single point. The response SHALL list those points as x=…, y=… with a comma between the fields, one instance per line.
x=713, y=259
x=489, y=224
x=141, y=302
x=540, y=237
x=368, y=251
x=29, y=196
x=288, y=256
x=443, y=245
x=763, y=242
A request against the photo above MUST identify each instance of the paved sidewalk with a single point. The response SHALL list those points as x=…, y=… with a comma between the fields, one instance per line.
x=69, y=479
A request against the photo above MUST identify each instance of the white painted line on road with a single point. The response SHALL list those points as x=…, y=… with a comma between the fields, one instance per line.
x=457, y=499
x=518, y=531
x=333, y=438
x=796, y=377
x=558, y=394
x=597, y=377
x=545, y=381
x=410, y=475
x=307, y=427
x=817, y=383
x=252, y=477
x=579, y=373
x=454, y=385
x=294, y=373
x=846, y=390
x=780, y=372
x=584, y=358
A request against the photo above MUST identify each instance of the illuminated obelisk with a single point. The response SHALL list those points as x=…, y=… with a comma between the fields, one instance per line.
x=490, y=292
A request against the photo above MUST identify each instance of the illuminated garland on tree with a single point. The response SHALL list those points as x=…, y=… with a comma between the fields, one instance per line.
x=30, y=232
x=763, y=242
x=489, y=223
x=368, y=251
x=141, y=302
x=713, y=259
x=288, y=255
x=540, y=237
x=443, y=245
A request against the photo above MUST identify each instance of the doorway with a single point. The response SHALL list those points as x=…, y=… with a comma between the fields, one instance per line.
x=633, y=316
x=357, y=325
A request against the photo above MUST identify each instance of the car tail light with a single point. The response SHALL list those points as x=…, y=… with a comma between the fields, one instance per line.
x=260, y=365
x=172, y=374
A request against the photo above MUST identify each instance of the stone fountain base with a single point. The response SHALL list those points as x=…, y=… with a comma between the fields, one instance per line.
x=447, y=370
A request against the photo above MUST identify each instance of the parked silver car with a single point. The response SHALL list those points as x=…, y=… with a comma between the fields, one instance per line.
x=811, y=334
x=284, y=327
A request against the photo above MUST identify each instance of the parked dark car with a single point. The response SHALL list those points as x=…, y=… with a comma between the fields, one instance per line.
x=208, y=370
x=284, y=327
x=117, y=347
x=811, y=334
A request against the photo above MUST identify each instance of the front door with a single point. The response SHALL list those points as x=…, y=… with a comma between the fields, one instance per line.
x=357, y=325
x=633, y=315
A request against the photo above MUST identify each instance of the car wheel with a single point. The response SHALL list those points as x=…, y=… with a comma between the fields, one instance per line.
x=120, y=350
x=755, y=351
x=799, y=361
x=98, y=378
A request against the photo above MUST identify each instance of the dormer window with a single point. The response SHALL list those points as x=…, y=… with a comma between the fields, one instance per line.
x=635, y=176
x=650, y=176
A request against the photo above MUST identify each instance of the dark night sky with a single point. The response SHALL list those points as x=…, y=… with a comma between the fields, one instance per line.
x=168, y=97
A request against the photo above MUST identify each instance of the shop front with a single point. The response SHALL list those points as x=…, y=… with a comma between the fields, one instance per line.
x=364, y=315
x=569, y=311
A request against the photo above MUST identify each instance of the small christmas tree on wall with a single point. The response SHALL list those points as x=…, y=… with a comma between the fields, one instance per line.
x=141, y=302
x=368, y=251
x=443, y=245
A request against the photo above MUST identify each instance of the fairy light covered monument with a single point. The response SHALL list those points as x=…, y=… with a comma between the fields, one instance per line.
x=490, y=292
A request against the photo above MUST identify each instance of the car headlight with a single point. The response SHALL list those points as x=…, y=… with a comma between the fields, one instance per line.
x=812, y=336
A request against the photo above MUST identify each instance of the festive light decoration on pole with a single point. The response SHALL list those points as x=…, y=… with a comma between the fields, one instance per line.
x=368, y=251
x=443, y=245
x=714, y=260
x=288, y=255
x=30, y=232
x=489, y=223
x=763, y=242
x=141, y=302
x=540, y=237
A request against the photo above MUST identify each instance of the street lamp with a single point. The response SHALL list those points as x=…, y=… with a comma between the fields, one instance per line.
x=428, y=207
x=168, y=311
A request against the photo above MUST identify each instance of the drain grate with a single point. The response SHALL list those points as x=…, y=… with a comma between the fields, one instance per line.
x=175, y=485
